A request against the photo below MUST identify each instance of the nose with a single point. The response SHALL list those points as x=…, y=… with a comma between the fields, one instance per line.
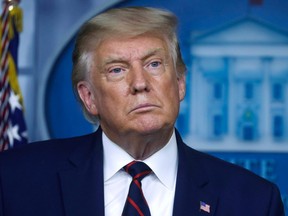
x=139, y=80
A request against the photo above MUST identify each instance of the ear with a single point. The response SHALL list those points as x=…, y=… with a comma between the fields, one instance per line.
x=86, y=94
x=182, y=86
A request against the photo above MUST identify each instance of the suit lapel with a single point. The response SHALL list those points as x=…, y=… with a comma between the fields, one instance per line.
x=82, y=183
x=83, y=190
x=193, y=185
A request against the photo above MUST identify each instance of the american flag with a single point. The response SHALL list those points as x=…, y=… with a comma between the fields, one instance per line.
x=204, y=207
x=12, y=124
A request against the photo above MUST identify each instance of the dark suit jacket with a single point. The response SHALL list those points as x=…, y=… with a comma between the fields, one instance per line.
x=65, y=177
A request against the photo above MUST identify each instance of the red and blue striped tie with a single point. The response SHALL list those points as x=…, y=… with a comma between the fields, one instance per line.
x=136, y=204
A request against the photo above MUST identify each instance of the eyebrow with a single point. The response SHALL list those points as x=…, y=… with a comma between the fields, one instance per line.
x=152, y=53
x=148, y=54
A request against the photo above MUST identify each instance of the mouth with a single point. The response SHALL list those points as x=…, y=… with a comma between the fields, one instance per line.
x=144, y=108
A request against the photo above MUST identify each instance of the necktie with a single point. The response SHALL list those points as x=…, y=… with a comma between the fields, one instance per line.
x=136, y=204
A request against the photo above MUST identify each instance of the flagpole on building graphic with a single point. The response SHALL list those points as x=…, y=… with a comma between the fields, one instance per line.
x=12, y=124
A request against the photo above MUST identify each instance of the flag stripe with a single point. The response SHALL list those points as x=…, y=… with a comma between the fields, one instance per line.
x=12, y=124
x=4, y=111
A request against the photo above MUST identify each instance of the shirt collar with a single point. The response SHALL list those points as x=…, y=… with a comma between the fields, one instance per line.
x=164, y=162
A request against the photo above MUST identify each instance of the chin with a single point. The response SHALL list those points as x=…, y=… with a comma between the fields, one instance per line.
x=148, y=128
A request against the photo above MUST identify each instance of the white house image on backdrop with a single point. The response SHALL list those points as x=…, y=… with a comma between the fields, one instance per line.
x=239, y=88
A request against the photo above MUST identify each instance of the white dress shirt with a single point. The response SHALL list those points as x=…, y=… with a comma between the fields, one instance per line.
x=158, y=187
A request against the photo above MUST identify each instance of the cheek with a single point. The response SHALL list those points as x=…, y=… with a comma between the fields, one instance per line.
x=110, y=98
x=170, y=95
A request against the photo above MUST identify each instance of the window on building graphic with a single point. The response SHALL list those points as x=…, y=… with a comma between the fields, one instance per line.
x=217, y=91
x=248, y=91
x=278, y=126
x=277, y=92
x=248, y=133
x=218, y=125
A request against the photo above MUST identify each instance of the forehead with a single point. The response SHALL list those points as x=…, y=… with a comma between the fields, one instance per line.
x=131, y=47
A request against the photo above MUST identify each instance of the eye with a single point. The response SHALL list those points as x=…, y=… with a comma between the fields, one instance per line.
x=116, y=70
x=155, y=64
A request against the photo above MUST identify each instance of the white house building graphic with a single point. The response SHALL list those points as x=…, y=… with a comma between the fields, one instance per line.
x=238, y=88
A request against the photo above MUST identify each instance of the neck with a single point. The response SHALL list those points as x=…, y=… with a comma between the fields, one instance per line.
x=142, y=146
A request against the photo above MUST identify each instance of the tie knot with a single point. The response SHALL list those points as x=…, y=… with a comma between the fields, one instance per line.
x=137, y=169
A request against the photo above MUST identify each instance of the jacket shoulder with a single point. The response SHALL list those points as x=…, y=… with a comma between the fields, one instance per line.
x=221, y=170
x=236, y=185
x=52, y=150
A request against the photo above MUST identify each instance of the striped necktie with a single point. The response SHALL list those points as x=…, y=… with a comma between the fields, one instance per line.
x=136, y=204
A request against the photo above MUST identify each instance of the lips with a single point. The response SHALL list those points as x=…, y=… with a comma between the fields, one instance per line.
x=146, y=107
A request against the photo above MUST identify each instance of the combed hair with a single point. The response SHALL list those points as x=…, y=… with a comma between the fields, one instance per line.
x=122, y=22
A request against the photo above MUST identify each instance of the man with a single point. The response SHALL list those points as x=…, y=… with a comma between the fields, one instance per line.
x=129, y=77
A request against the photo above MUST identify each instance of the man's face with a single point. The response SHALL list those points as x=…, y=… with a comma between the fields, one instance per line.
x=134, y=88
